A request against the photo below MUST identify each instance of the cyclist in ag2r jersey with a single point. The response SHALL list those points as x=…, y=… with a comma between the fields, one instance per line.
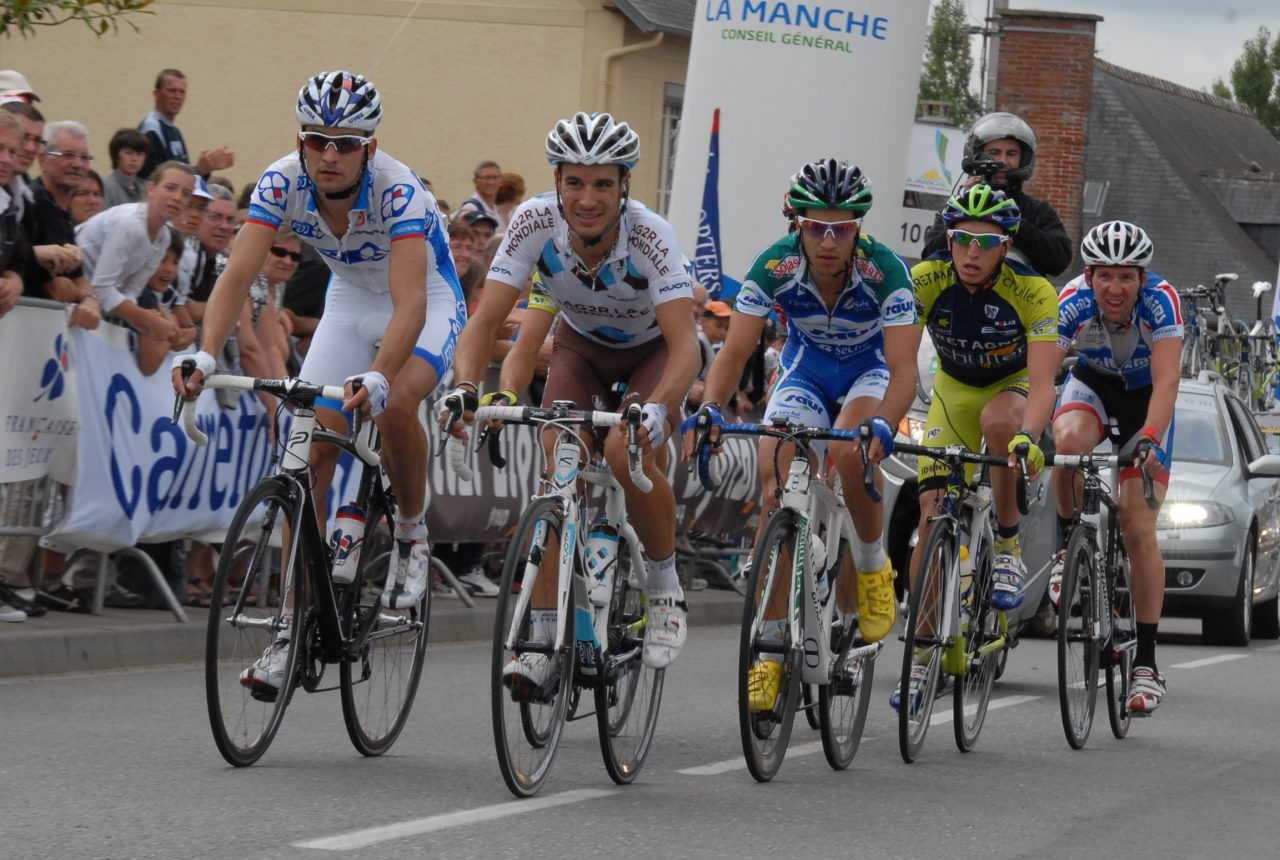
x=392, y=312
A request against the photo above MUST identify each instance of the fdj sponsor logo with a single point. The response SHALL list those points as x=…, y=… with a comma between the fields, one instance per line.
x=273, y=188
x=395, y=200
x=306, y=230
x=174, y=472
x=52, y=379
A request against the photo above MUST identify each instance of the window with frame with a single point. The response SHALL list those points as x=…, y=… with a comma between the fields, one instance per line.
x=673, y=104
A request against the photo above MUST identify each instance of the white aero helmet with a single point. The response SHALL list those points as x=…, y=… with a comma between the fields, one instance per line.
x=593, y=139
x=1117, y=243
x=340, y=100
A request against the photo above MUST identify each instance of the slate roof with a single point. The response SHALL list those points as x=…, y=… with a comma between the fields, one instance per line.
x=1190, y=168
x=666, y=16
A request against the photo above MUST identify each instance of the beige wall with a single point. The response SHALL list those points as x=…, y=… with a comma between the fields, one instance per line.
x=461, y=81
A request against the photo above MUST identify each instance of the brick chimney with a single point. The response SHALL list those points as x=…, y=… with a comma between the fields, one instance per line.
x=1045, y=76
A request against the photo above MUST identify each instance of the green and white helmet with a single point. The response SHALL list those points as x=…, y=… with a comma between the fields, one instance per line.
x=983, y=203
x=829, y=184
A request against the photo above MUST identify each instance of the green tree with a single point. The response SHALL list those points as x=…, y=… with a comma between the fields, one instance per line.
x=948, y=63
x=23, y=16
x=1255, y=79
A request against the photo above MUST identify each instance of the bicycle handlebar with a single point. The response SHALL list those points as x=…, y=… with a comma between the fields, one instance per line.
x=1098, y=462
x=957, y=455
x=568, y=416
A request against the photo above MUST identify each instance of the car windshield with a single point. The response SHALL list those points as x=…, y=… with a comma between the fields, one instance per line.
x=1198, y=433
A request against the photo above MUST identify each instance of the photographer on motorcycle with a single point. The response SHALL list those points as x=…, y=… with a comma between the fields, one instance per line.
x=1001, y=152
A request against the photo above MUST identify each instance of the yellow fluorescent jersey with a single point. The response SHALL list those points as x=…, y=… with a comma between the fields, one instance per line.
x=540, y=299
x=982, y=337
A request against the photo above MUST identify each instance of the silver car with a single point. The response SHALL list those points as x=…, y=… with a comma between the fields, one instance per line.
x=1219, y=528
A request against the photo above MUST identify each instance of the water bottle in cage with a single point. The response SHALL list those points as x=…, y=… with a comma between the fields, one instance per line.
x=348, y=535
x=601, y=552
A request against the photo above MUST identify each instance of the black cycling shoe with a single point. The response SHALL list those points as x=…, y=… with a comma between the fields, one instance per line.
x=11, y=597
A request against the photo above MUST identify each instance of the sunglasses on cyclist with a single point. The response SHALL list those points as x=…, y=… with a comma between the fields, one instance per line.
x=819, y=230
x=296, y=256
x=984, y=241
x=343, y=144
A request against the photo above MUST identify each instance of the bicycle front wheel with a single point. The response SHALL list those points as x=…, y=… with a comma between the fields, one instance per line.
x=1124, y=638
x=531, y=680
x=1077, y=638
x=766, y=728
x=978, y=659
x=925, y=645
x=630, y=693
x=843, y=703
x=380, y=680
x=251, y=651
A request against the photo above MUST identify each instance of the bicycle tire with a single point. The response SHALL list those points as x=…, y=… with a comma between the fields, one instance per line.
x=980, y=626
x=1078, y=648
x=244, y=719
x=765, y=734
x=378, y=688
x=1120, y=666
x=527, y=724
x=927, y=599
x=843, y=703
x=629, y=695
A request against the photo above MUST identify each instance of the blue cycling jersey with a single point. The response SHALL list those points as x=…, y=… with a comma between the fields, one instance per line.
x=1119, y=351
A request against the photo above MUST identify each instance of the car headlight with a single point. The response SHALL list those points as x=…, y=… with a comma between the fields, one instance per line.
x=912, y=428
x=1193, y=515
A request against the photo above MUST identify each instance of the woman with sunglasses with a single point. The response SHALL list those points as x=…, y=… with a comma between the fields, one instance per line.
x=391, y=312
x=994, y=323
x=265, y=294
x=849, y=359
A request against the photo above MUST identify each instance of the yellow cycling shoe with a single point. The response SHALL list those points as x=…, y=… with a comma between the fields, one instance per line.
x=877, y=604
x=763, y=681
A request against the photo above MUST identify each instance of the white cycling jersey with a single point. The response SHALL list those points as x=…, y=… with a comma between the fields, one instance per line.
x=613, y=305
x=392, y=205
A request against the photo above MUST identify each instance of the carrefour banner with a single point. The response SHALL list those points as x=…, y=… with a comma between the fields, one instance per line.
x=139, y=476
x=38, y=425
x=794, y=82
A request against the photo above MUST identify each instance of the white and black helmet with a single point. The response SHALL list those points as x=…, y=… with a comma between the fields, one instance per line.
x=340, y=100
x=593, y=139
x=1117, y=243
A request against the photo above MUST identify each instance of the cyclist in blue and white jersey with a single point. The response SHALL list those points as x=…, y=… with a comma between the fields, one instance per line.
x=612, y=272
x=1125, y=322
x=850, y=359
x=393, y=308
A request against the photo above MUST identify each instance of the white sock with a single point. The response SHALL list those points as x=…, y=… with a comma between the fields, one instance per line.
x=543, y=624
x=661, y=575
x=868, y=557
x=412, y=528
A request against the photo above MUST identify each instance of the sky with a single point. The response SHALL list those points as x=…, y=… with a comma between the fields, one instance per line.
x=1189, y=42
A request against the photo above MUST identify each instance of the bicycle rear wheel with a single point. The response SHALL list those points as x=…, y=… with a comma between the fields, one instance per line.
x=765, y=733
x=980, y=627
x=259, y=598
x=1124, y=638
x=843, y=703
x=528, y=718
x=1077, y=642
x=379, y=685
x=630, y=695
x=924, y=645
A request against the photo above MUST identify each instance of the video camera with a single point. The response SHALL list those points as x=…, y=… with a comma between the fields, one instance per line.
x=982, y=164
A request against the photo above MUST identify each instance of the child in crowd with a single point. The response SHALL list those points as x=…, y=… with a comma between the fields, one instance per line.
x=128, y=149
x=161, y=296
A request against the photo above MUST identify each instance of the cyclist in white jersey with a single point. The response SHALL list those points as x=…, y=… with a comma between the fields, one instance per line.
x=614, y=273
x=392, y=311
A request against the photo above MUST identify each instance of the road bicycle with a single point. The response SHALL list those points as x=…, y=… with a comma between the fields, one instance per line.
x=1215, y=348
x=802, y=560
x=1097, y=624
x=1261, y=357
x=952, y=628
x=287, y=598
x=596, y=639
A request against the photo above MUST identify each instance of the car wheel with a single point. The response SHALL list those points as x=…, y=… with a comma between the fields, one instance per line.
x=1234, y=626
x=1266, y=620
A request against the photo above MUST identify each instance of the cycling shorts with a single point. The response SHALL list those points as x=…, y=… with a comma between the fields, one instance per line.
x=955, y=418
x=1106, y=398
x=354, y=322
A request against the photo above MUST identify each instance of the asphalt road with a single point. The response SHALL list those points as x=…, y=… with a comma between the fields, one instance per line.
x=121, y=765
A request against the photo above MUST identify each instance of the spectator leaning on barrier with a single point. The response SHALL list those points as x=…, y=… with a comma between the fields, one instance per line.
x=87, y=200
x=54, y=270
x=13, y=242
x=1001, y=151
x=164, y=138
x=124, y=246
x=32, y=122
x=128, y=150
x=160, y=297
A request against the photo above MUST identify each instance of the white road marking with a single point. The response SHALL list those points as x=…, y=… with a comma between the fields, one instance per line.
x=1208, y=661
x=995, y=704
x=416, y=827
x=733, y=764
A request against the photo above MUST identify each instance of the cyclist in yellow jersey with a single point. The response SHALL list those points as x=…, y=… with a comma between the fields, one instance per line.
x=994, y=323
